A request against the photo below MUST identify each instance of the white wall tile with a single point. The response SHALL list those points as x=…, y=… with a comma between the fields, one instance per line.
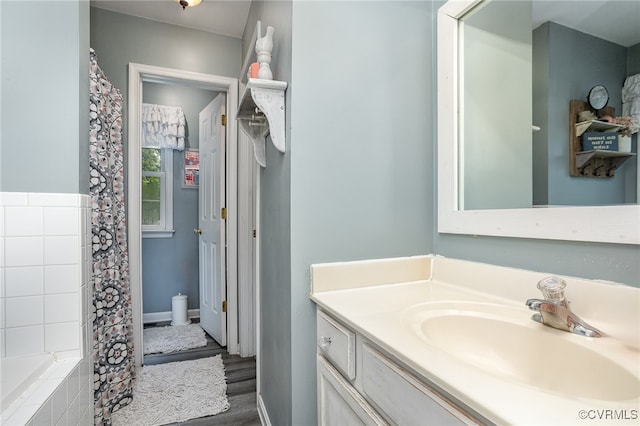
x=2, y=323
x=83, y=267
x=61, y=336
x=2, y=272
x=73, y=412
x=13, y=199
x=23, y=311
x=88, y=269
x=83, y=340
x=53, y=200
x=3, y=346
x=24, y=340
x=22, y=415
x=24, y=251
x=61, y=221
x=34, y=265
x=59, y=402
x=88, y=338
x=23, y=221
x=2, y=221
x=61, y=279
x=42, y=392
x=24, y=281
x=72, y=354
x=63, y=421
x=61, y=250
x=62, y=307
x=86, y=401
x=60, y=370
x=73, y=388
x=86, y=374
x=85, y=220
x=43, y=416
x=87, y=417
x=84, y=307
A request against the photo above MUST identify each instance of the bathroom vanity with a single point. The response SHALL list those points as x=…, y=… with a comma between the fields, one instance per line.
x=432, y=340
x=371, y=395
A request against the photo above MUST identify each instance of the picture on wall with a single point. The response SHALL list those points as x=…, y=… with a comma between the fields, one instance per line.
x=191, y=166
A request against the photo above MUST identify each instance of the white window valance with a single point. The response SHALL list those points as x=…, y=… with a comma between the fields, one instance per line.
x=631, y=97
x=163, y=127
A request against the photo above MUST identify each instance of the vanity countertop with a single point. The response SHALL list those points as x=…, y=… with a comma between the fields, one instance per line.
x=381, y=298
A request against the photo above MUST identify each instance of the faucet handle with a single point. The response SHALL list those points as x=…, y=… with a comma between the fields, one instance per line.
x=552, y=288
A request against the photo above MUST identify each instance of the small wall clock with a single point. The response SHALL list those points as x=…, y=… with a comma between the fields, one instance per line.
x=598, y=97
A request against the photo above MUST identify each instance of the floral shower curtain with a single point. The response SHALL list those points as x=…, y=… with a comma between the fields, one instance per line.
x=113, y=362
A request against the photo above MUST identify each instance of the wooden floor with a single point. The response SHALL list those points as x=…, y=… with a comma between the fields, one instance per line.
x=241, y=384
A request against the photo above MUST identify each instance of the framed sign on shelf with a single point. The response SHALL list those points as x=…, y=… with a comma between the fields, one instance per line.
x=191, y=168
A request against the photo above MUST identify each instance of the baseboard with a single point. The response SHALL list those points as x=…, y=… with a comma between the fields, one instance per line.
x=262, y=412
x=166, y=316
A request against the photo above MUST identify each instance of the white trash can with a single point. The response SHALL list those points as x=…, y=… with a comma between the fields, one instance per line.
x=179, y=310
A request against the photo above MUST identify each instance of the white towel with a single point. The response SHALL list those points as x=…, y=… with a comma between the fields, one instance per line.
x=631, y=97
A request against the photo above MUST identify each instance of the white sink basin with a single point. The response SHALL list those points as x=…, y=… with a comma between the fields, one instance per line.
x=506, y=343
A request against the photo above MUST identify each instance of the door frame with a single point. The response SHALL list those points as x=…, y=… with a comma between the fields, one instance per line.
x=139, y=73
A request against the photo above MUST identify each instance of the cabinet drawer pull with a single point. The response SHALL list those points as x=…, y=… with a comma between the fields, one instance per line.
x=324, y=343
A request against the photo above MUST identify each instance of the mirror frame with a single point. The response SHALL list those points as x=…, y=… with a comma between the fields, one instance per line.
x=605, y=224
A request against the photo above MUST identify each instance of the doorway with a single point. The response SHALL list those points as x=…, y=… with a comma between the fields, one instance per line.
x=138, y=74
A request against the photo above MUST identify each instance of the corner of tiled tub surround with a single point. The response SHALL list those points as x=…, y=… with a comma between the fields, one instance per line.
x=45, y=302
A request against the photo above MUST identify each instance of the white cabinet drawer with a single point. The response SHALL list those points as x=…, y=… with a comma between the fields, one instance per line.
x=339, y=403
x=337, y=343
x=401, y=397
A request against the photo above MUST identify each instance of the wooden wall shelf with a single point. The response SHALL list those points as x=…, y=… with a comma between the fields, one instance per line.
x=596, y=163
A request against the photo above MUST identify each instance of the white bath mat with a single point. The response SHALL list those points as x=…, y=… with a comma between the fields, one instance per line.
x=175, y=392
x=173, y=338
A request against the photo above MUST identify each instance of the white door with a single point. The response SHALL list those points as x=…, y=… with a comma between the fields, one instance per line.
x=212, y=227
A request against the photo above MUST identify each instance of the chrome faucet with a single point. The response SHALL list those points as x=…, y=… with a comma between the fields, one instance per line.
x=554, y=309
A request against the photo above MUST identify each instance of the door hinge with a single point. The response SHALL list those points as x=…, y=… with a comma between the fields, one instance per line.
x=254, y=233
x=223, y=119
x=223, y=213
x=224, y=306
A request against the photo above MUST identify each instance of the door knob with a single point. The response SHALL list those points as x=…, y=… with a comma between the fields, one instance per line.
x=197, y=231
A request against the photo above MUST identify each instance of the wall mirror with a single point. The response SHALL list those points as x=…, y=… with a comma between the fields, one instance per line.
x=488, y=150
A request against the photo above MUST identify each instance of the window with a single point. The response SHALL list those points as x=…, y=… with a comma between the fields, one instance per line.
x=157, y=193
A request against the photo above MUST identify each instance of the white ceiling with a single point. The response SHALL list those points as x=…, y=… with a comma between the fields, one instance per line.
x=227, y=17
x=615, y=20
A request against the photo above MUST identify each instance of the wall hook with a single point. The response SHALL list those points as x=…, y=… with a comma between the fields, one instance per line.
x=596, y=171
x=583, y=169
x=611, y=171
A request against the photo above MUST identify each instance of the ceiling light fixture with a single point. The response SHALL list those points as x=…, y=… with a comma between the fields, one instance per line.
x=188, y=3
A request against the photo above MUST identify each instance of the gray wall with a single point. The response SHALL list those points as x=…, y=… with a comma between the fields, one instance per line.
x=355, y=182
x=571, y=74
x=633, y=59
x=275, y=229
x=360, y=167
x=170, y=265
x=119, y=39
x=45, y=96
